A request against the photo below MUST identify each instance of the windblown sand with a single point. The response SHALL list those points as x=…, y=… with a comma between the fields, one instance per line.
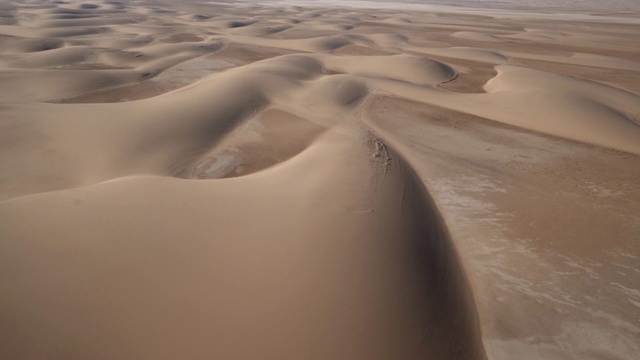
x=319, y=180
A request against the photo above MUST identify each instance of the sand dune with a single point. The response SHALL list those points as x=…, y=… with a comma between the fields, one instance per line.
x=465, y=53
x=470, y=35
x=288, y=295
x=412, y=69
x=318, y=180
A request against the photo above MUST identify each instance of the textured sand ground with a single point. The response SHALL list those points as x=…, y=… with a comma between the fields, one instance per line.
x=319, y=180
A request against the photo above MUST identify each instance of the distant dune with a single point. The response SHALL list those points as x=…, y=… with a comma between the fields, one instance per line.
x=319, y=180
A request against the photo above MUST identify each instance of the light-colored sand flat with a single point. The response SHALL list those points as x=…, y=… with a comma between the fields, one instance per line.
x=319, y=180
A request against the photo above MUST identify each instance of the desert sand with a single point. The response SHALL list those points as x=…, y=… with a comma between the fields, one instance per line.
x=319, y=180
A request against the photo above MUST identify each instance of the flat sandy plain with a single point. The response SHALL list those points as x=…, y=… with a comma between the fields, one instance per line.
x=319, y=180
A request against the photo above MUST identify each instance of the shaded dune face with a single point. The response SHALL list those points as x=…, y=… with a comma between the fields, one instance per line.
x=451, y=317
x=256, y=145
x=271, y=181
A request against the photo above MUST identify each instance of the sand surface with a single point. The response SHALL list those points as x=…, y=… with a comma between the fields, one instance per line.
x=319, y=180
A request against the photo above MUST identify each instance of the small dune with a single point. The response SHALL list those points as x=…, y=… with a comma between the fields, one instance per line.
x=470, y=35
x=468, y=53
x=18, y=45
x=412, y=69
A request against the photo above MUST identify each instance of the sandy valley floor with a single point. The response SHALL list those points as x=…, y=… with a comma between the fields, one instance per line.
x=319, y=180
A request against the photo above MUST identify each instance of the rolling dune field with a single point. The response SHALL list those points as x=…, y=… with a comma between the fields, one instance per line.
x=319, y=180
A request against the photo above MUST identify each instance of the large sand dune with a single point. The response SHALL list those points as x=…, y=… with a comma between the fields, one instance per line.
x=318, y=180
